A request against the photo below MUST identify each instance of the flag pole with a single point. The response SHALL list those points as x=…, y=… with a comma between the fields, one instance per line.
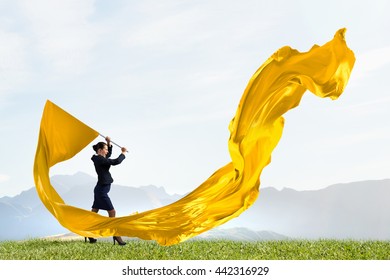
x=112, y=142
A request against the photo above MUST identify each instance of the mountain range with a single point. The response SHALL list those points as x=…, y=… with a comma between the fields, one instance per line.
x=357, y=210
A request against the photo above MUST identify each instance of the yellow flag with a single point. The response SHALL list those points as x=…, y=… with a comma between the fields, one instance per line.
x=61, y=136
x=276, y=87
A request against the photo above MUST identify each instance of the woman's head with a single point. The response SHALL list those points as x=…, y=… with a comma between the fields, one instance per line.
x=101, y=148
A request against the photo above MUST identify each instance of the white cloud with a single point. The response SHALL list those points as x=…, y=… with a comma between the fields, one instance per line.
x=370, y=61
x=207, y=26
x=61, y=32
x=369, y=108
x=12, y=61
x=167, y=31
x=4, y=178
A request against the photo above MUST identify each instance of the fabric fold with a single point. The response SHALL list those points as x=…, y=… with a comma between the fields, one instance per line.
x=276, y=87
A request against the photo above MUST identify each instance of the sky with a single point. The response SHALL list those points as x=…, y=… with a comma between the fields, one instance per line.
x=164, y=79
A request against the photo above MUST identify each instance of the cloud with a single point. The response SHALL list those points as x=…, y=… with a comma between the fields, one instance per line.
x=61, y=33
x=369, y=108
x=370, y=61
x=4, y=178
x=172, y=29
x=12, y=61
x=171, y=26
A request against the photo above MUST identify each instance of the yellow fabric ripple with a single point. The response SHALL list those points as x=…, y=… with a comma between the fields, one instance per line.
x=276, y=87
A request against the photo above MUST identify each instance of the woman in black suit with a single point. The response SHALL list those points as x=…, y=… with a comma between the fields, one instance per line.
x=102, y=164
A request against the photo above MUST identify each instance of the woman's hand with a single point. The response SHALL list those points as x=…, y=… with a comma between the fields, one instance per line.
x=124, y=150
x=108, y=140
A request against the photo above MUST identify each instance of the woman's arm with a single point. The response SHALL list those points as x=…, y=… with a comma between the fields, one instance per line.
x=104, y=161
x=109, y=146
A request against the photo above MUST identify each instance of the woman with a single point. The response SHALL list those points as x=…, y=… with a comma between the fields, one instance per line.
x=102, y=164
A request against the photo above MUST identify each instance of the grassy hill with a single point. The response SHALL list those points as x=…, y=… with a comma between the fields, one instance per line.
x=43, y=249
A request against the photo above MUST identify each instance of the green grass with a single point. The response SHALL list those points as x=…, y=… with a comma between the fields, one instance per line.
x=38, y=249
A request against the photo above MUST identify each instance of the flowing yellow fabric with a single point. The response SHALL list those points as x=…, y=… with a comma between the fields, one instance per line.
x=276, y=87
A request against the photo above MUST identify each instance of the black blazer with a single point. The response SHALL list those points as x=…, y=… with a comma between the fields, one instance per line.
x=103, y=164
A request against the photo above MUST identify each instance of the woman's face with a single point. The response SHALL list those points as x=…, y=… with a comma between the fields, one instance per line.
x=104, y=151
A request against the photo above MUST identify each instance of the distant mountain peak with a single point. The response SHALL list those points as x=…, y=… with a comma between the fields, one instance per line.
x=357, y=210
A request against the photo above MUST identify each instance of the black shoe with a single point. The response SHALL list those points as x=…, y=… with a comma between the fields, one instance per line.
x=119, y=240
x=91, y=240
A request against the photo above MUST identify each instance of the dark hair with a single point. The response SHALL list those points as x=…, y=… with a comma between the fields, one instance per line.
x=99, y=145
